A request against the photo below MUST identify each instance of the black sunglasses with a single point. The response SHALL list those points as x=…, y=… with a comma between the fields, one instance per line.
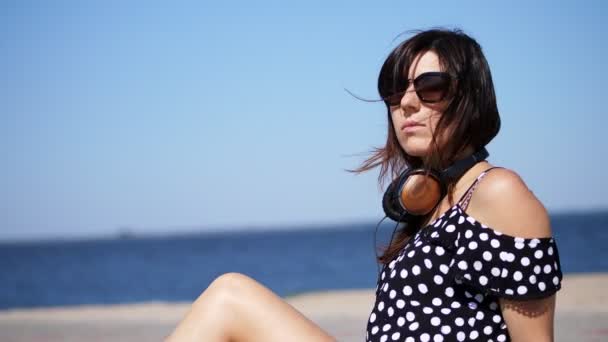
x=431, y=87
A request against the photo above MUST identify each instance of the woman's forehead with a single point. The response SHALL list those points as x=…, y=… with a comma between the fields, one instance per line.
x=424, y=62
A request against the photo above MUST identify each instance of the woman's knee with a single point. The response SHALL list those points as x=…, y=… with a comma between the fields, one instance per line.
x=227, y=287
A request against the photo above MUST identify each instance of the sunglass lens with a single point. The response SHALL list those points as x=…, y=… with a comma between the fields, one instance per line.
x=432, y=87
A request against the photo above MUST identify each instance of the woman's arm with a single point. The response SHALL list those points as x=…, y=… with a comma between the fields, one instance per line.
x=503, y=202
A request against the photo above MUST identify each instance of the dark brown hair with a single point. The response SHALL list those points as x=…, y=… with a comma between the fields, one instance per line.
x=471, y=115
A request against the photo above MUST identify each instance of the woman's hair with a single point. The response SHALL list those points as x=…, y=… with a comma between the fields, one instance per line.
x=470, y=119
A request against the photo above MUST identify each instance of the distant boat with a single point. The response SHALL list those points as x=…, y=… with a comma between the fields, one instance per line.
x=125, y=233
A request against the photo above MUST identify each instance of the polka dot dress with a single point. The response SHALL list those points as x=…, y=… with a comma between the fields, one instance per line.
x=445, y=283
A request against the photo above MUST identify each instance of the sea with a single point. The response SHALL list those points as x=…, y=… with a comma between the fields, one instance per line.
x=289, y=261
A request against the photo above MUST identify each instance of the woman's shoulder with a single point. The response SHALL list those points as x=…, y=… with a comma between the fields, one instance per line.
x=503, y=201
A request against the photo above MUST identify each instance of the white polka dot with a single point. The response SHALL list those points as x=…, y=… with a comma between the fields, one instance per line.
x=449, y=292
x=383, y=275
x=422, y=288
x=537, y=269
x=477, y=265
x=468, y=234
x=487, y=256
x=496, y=318
x=435, y=321
x=471, y=220
x=459, y=321
x=541, y=286
x=550, y=251
x=425, y=337
x=407, y=290
x=375, y=330
x=472, y=305
x=426, y=249
x=533, y=243
x=400, y=304
x=483, y=236
x=555, y=280
x=427, y=310
x=460, y=250
x=505, y=273
x=462, y=265
x=437, y=338
x=538, y=254
x=385, y=288
x=439, y=250
x=446, y=329
x=428, y=263
x=532, y=279
x=411, y=254
x=519, y=245
x=517, y=276
x=483, y=280
x=438, y=279
x=444, y=269
x=547, y=269
x=446, y=311
x=522, y=290
x=380, y=306
x=461, y=336
x=494, y=243
x=410, y=316
x=487, y=330
x=471, y=321
x=392, y=294
x=414, y=303
x=413, y=326
x=383, y=338
x=400, y=321
x=416, y=270
x=393, y=273
x=472, y=245
x=479, y=316
x=479, y=297
x=495, y=271
x=403, y=273
x=386, y=327
x=396, y=336
x=509, y=291
x=390, y=311
x=410, y=339
x=392, y=264
x=455, y=305
x=493, y=306
x=450, y=228
x=460, y=220
x=372, y=318
x=501, y=338
x=437, y=223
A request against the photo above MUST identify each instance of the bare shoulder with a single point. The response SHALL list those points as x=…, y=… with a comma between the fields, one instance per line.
x=502, y=201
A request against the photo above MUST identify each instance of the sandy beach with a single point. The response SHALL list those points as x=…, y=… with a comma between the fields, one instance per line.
x=581, y=315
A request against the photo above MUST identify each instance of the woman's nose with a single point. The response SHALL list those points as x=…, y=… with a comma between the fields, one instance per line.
x=410, y=102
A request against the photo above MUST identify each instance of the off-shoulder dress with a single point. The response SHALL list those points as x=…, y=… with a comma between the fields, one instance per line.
x=445, y=283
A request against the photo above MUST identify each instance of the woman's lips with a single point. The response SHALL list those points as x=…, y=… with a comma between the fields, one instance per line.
x=410, y=127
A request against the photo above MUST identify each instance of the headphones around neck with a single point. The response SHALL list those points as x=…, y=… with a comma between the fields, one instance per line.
x=414, y=193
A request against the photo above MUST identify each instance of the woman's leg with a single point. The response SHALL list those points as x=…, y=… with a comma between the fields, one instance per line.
x=236, y=308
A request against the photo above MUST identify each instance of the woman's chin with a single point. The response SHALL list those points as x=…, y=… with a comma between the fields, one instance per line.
x=416, y=150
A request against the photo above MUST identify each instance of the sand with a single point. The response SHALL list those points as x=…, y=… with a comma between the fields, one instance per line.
x=581, y=315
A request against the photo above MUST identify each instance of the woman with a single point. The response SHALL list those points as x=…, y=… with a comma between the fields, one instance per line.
x=447, y=276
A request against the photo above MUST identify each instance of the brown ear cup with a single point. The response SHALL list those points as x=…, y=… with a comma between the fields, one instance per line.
x=416, y=192
x=420, y=193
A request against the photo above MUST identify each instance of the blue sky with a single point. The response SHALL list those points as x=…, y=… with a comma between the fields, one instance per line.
x=178, y=116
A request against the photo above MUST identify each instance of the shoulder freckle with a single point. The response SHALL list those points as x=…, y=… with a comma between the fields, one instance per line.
x=506, y=204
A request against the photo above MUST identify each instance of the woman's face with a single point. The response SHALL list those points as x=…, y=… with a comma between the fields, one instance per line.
x=414, y=121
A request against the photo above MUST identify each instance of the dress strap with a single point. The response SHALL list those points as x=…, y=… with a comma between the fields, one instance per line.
x=464, y=200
